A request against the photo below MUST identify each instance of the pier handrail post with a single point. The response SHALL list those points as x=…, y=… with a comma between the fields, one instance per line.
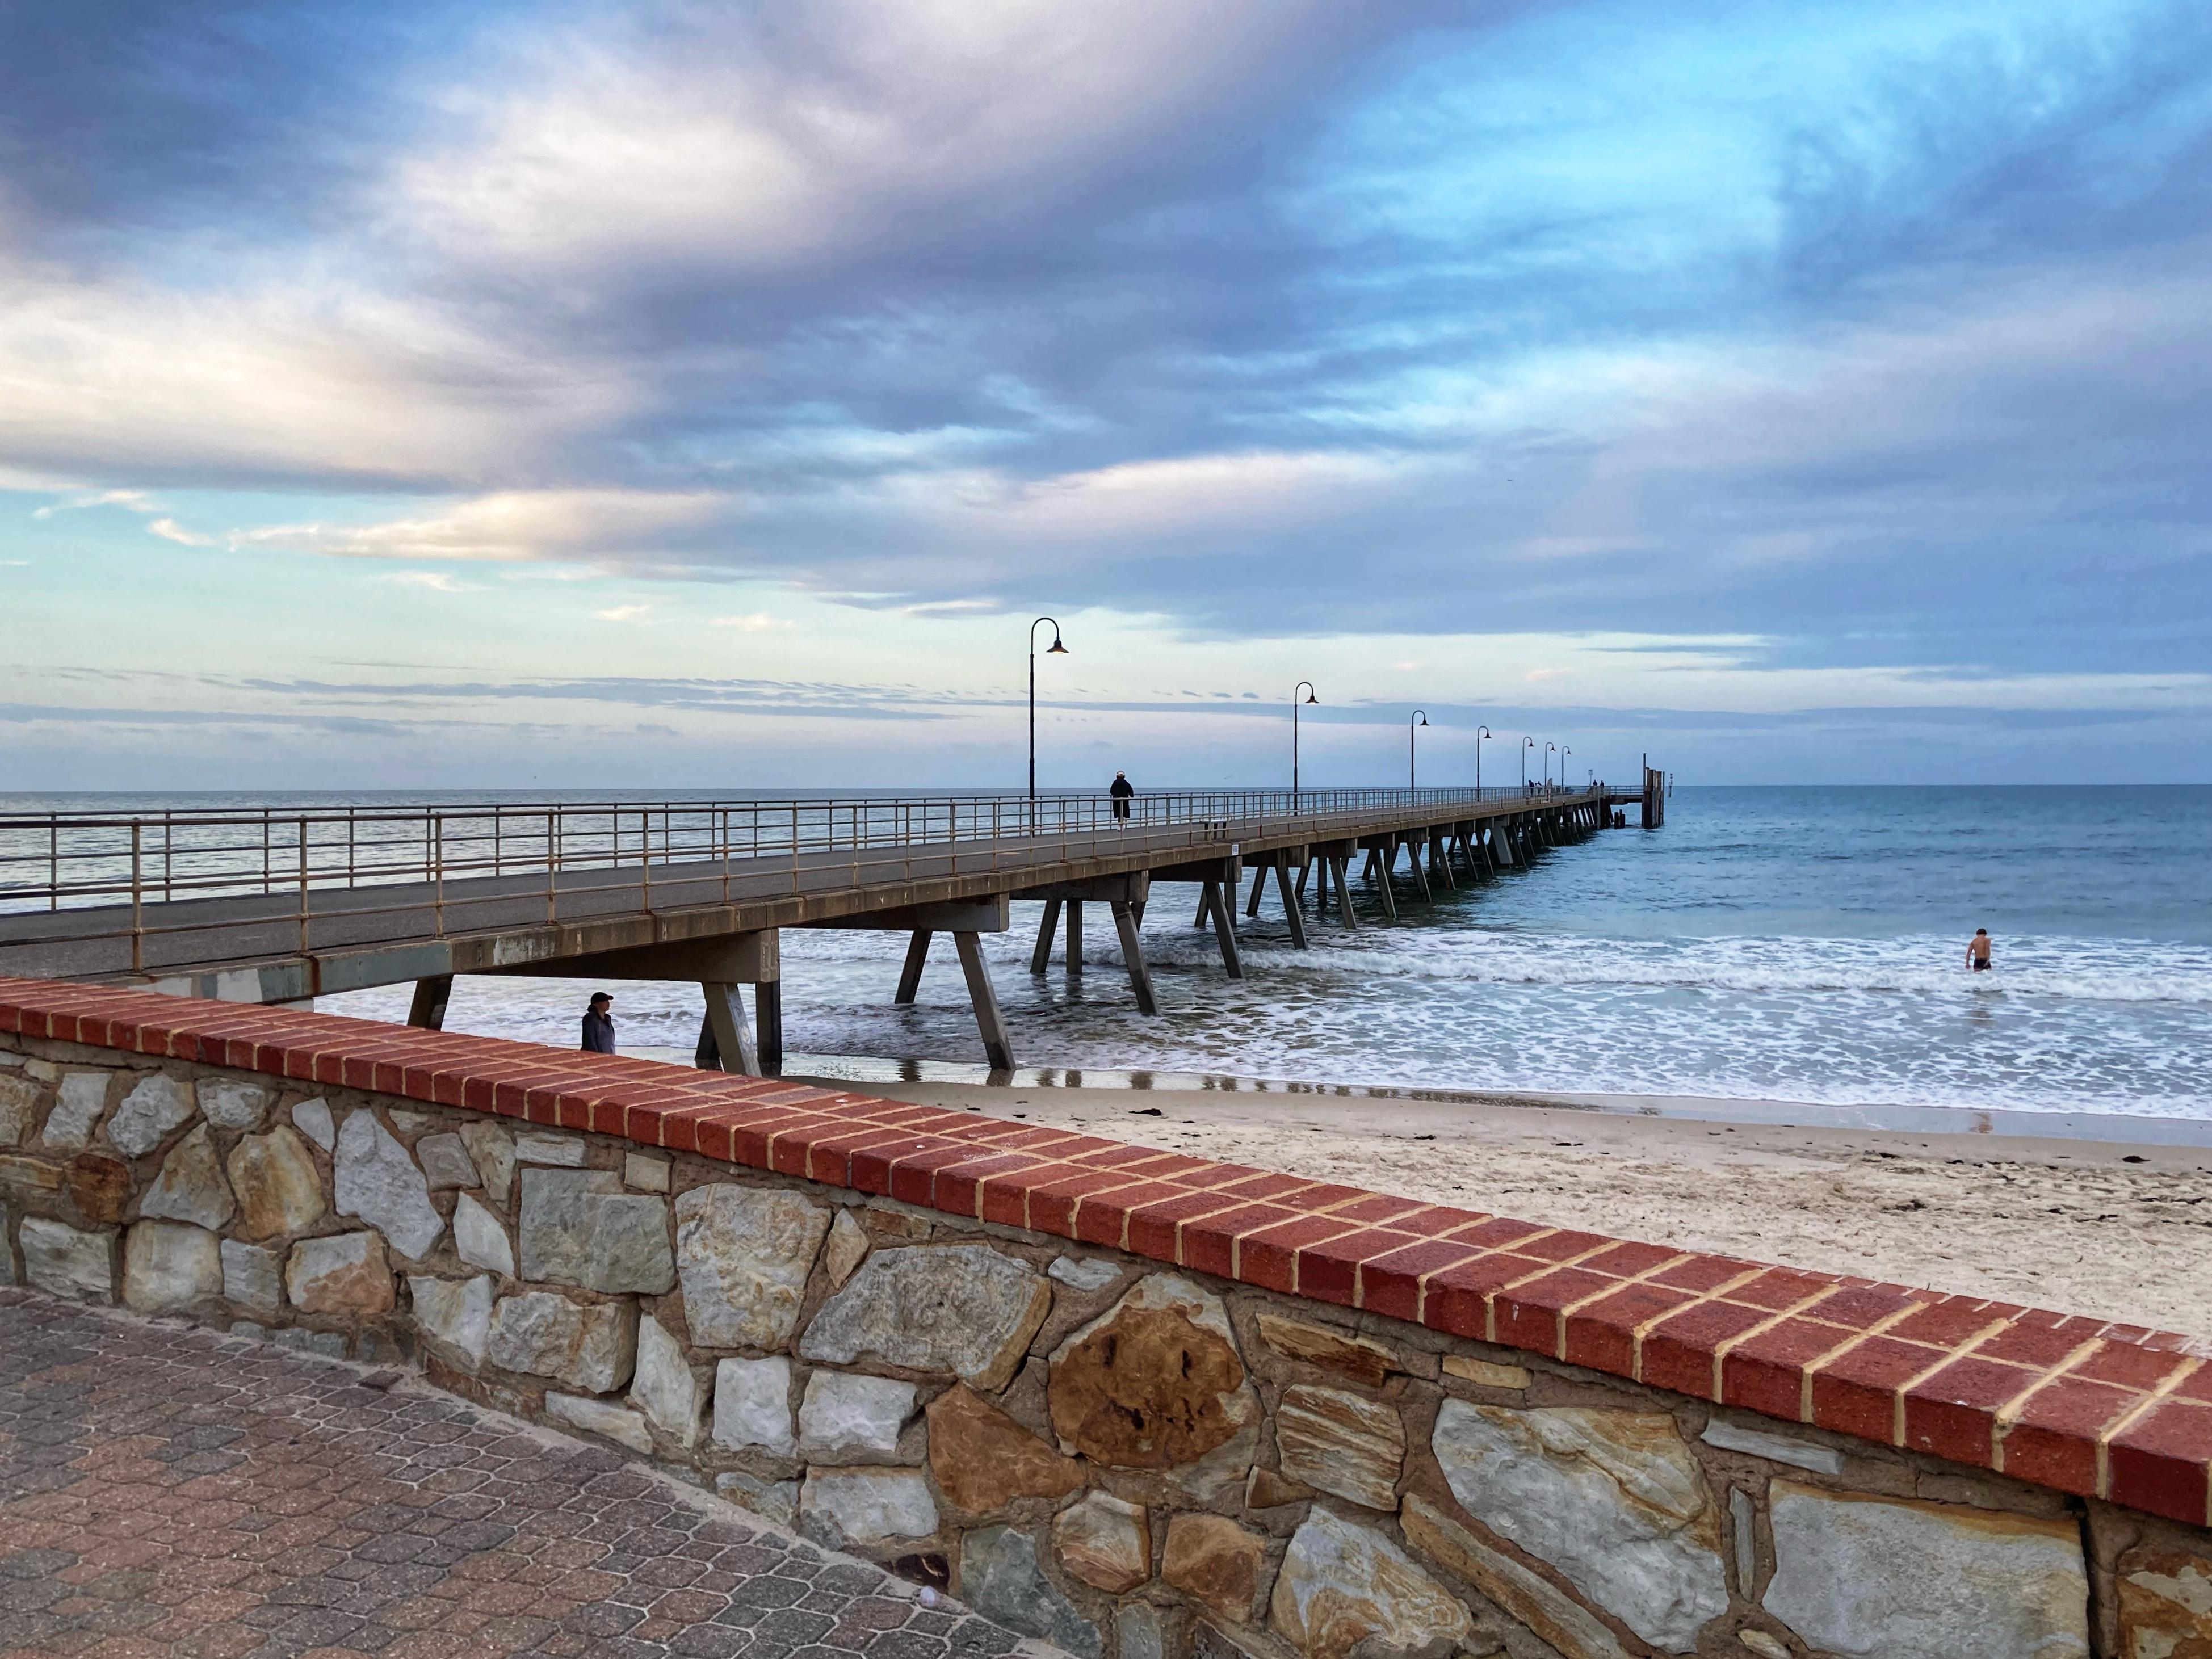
x=303, y=885
x=137, y=907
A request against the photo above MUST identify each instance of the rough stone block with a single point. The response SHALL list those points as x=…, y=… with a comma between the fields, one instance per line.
x=80, y=1098
x=753, y=1405
x=344, y=1273
x=644, y=1172
x=616, y=1423
x=191, y=1186
x=591, y=1348
x=666, y=1389
x=98, y=1186
x=1774, y=1448
x=233, y=1103
x=446, y=1162
x=18, y=1103
x=1343, y=1588
x=1354, y=1357
x=1137, y=1632
x=1000, y=1578
x=491, y=1149
x=1485, y=1373
x=1612, y=1498
x=2166, y=1603
x=865, y=1509
x=1864, y=1577
x=170, y=1264
x=252, y=1276
x=279, y=1188
x=1084, y=1273
x=579, y=1227
x=1341, y=1442
x=983, y=1460
x=1106, y=1541
x=63, y=1260
x=378, y=1183
x=742, y=1254
x=157, y=1105
x=847, y=1248
x=1215, y=1562
x=479, y=1239
x=566, y=1150
x=329, y=1345
x=962, y=1310
x=843, y=1413
x=1535, y=1600
x=1154, y=1382
x=454, y=1316
x=773, y=1500
x=312, y=1118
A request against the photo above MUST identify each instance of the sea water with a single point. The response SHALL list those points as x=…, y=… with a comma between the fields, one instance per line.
x=1768, y=944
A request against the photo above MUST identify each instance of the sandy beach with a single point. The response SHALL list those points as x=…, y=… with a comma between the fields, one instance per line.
x=2118, y=1229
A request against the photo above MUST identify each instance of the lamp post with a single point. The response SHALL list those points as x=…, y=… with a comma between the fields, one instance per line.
x=1481, y=733
x=1305, y=686
x=1548, y=748
x=1527, y=744
x=1564, y=753
x=1054, y=649
x=1418, y=718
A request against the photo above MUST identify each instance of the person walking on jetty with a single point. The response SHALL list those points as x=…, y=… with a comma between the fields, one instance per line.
x=1123, y=792
x=1977, y=950
x=599, y=1025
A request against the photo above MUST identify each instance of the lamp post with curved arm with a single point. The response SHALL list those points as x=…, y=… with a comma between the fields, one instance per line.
x=1054, y=649
x=1564, y=752
x=1307, y=687
x=1417, y=719
x=1548, y=748
x=1527, y=744
x=1481, y=733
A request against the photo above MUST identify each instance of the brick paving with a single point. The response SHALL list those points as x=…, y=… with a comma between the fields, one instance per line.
x=168, y=1491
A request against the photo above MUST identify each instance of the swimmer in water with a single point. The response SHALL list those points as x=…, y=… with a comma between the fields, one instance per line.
x=1977, y=950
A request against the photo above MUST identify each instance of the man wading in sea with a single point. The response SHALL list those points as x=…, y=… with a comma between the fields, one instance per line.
x=599, y=1025
x=1977, y=950
x=1123, y=791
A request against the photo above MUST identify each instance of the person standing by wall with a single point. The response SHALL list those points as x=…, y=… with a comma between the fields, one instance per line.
x=1123, y=792
x=599, y=1025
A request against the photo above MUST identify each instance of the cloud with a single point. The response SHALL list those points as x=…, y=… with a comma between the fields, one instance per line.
x=170, y=531
x=622, y=613
x=758, y=623
x=603, y=525
x=437, y=582
x=136, y=500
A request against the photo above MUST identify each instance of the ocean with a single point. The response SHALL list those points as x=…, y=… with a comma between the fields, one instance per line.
x=1770, y=944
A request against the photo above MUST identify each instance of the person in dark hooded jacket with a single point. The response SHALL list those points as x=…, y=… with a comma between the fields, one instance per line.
x=599, y=1025
x=1123, y=792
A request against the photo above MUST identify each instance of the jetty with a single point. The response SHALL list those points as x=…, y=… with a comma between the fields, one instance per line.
x=282, y=904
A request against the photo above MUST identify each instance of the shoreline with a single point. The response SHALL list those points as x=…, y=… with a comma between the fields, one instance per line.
x=2115, y=1227
x=890, y=1076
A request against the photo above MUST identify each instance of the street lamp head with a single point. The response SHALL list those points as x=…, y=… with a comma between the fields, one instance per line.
x=1481, y=732
x=1055, y=649
x=1425, y=720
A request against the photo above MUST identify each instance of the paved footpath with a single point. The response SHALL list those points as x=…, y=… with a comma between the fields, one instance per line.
x=168, y=1491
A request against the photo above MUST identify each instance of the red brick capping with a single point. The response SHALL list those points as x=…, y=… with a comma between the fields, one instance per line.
x=2062, y=1400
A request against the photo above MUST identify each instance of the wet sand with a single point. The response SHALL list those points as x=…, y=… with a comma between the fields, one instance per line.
x=2120, y=1229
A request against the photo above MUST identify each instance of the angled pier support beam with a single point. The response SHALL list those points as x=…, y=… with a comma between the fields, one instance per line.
x=998, y=1047
x=1290, y=907
x=1420, y=874
x=723, y=1034
x=1041, y=957
x=917, y=958
x=1132, y=955
x=1213, y=901
x=426, y=1012
x=1075, y=938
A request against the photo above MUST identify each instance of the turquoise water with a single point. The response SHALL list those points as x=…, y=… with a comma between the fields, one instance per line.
x=1773, y=943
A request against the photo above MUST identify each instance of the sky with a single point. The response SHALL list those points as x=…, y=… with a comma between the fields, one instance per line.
x=530, y=396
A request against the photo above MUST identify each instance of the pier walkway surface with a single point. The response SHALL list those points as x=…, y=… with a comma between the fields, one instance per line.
x=267, y=904
x=166, y=1493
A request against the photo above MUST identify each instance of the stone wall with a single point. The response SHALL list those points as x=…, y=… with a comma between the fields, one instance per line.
x=1123, y=1456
